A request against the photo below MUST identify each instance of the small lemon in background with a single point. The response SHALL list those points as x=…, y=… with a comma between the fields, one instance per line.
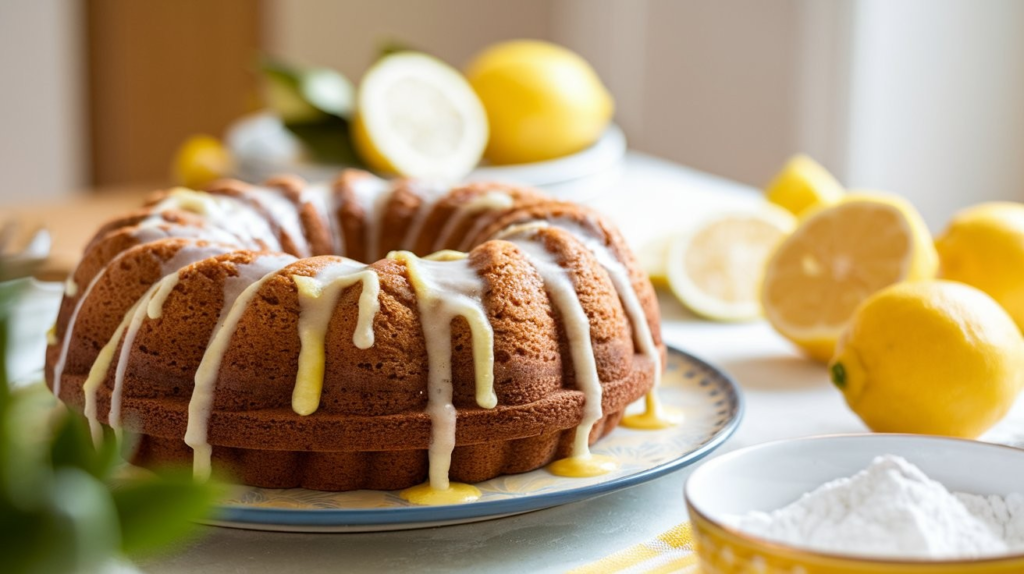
x=200, y=160
x=930, y=357
x=715, y=267
x=803, y=184
x=983, y=246
x=543, y=101
x=838, y=257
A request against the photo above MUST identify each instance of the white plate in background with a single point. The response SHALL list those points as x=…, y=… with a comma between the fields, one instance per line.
x=263, y=147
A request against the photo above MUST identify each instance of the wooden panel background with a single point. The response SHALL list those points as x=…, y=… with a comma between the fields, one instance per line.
x=161, y=70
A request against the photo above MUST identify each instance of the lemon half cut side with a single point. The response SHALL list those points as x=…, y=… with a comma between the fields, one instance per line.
x=418, y=117
x=838, y=257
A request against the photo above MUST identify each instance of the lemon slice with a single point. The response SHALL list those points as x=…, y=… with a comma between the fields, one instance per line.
x=715, y=268
x=418, y=117
x=803, y=184
x=837, y=258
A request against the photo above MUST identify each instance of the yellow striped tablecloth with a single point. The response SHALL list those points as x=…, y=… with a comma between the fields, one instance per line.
x=671, y=551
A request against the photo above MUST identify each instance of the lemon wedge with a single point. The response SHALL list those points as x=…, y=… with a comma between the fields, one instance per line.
x=803, y=184
x=715, y=268
x=418, y=117
x=838, y=257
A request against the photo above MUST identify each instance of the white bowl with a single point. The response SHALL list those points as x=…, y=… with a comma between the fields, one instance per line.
x=773, y=475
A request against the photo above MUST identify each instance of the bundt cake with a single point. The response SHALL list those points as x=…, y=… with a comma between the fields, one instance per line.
x=235, y=329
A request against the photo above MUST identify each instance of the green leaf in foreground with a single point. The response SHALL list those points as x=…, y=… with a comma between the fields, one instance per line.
x=154, y=513
x=73, y=446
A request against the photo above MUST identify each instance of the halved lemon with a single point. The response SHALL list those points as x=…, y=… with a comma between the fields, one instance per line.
x=837, y=258
x=418, y=117
x=715, y=267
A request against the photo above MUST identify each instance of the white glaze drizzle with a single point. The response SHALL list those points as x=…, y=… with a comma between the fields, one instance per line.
x=318, y=296
x=323, y=198
x=58, y=368
x=70, y=287
x=493, y=200
x=129, y=328
x=230, y=214
x=445, y=290
x=372, y=193
x=619, y=275
x=155, y=228
x=429, y=193
x=285, y=213
x=238, y=292
x=562, y=292
x=98, y=372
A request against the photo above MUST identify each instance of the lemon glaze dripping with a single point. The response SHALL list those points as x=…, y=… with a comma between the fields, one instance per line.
x=98, y=372
x=654, y=417
x=446, y=290
x=492, y=200
x=584, y=466
x=252, y=276
x=318, y=297
x=426, y=495
x=563, y=295
x=128, y=328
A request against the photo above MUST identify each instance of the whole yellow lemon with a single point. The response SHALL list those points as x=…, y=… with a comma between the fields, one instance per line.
x=984, y=247
x=200, y=160
x=930, y=357
x=542, y=100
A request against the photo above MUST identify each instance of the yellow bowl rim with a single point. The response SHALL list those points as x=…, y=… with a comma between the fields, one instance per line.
x=794, y=551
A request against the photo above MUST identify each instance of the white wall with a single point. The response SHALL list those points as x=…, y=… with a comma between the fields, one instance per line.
x=41, y=108
x=937, y=102
x=346, y=34
x=709, y=84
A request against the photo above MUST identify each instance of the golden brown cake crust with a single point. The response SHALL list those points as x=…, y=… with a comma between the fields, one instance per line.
x=370, y=429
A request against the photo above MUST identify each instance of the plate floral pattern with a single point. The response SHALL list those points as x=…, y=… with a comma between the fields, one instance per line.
x=708, y=400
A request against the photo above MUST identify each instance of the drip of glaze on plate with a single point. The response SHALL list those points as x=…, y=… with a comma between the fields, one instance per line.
x=446, y=289
x=560, y=288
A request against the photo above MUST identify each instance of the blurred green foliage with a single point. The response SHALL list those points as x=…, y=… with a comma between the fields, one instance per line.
x=61, y=508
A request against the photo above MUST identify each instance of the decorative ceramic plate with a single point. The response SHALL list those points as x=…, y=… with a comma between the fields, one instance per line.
x=707, y=398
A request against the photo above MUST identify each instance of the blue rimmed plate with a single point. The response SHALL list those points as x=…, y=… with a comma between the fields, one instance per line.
x=708, y=399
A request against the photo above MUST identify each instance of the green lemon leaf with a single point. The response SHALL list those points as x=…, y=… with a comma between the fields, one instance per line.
x=156, y=512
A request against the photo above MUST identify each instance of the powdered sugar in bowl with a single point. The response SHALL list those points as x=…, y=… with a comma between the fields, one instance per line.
x=931, y=530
